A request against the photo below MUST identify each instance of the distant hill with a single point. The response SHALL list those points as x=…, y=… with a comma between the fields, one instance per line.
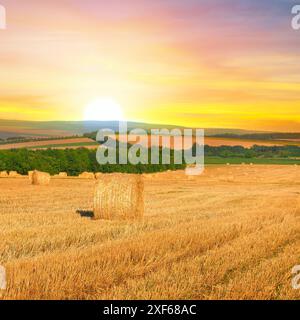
x=27, y=129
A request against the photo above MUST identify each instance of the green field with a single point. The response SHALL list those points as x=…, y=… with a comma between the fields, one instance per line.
x=233, y=160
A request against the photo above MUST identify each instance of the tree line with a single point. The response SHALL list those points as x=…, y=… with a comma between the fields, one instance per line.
x=253, y=152
x=72, y=161
x=76, y=161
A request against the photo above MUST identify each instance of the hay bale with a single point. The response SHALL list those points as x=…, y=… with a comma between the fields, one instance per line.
x=40, y=178
x=62, y=175
x=30, y=173
x=98, y=175
x=119, y=196
x=3, y=174
x=13, y=174
x=148, y=176
x=87, y=175
x=227, y=164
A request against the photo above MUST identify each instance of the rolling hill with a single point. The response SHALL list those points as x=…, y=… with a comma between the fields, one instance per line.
x=17, y=128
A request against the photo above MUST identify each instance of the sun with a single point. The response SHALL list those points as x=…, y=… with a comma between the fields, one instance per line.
x=103, y=109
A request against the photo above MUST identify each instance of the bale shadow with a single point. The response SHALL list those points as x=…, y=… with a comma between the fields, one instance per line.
x=85, y=213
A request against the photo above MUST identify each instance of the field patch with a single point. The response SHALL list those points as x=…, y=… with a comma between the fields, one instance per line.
x=60, y=143
x=231, y=233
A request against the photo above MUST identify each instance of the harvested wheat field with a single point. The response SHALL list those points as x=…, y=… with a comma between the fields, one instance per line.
x=232, y=233
x=45, y=143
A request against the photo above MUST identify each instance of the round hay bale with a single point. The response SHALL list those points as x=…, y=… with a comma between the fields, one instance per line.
x=119, y=196
x=3, y=174
x=227, y=164
x=30, y=173
x=87, y=175
x=98, y=175
x=40, y=178
x=13, y=174
x=149, y=176
x=62, y=175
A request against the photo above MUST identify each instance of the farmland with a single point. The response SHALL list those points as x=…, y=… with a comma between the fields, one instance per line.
x=216, y=142
x=232, y=233
x=59, y=143
x=79, y=142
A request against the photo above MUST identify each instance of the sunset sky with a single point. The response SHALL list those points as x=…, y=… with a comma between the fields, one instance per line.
x=204, y=63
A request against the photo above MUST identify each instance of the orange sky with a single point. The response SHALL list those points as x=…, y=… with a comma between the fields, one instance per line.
x=210, y=63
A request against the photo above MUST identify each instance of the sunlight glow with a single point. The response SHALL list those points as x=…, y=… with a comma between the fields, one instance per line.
x=103, y=109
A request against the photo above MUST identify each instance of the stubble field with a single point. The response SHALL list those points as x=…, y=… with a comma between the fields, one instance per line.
x=58, y=143
x=232, y=233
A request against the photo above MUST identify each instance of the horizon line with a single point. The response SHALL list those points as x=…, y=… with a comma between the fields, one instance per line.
x=149, y=123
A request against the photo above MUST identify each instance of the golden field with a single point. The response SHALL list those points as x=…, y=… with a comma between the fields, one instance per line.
x=38, y=144
x=232, y=233
x=75, y=143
